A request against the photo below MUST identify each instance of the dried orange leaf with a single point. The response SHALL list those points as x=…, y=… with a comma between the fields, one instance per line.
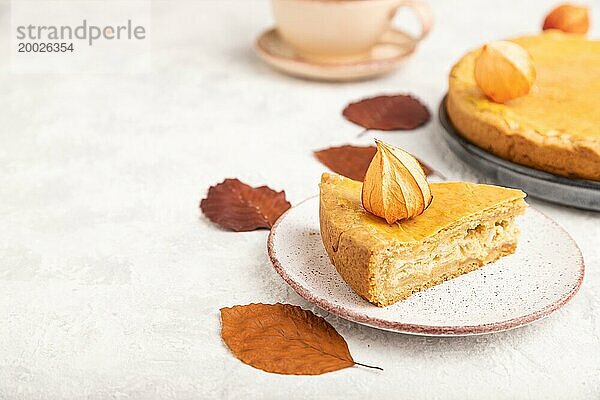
x=388, y=113
x=353, y=161
x=284, y=339
x=236, y=206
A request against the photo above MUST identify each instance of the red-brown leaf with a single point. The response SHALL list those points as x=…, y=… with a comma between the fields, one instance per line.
x=236, y=206
x=284, y=339
x=388, y=113
x=353, y=161
x=350, y=161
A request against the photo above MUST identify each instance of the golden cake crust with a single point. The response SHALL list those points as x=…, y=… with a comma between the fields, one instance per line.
x=556, y=127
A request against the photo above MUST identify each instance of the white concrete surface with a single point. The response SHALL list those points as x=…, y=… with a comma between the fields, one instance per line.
x=111, y=282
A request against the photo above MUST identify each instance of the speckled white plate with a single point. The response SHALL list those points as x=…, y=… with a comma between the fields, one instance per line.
x=544, y=274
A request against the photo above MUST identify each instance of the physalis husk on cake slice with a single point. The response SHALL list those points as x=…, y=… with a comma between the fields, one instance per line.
x=395, y=186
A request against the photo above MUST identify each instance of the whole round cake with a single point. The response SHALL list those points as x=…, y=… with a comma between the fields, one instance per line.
x=556, y=126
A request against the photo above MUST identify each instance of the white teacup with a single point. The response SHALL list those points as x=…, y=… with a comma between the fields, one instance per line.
x=341, y=30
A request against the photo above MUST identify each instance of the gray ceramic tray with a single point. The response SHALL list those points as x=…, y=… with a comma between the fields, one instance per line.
x=578, y=193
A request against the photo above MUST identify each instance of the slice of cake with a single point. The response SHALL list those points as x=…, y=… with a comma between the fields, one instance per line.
x=465, y=226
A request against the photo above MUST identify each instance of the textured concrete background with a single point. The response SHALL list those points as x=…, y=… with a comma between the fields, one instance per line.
x=111, y=282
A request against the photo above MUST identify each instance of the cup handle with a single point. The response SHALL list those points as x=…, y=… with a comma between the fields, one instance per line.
x=424, y=14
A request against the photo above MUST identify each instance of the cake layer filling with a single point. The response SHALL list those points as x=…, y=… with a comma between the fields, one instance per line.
x=400, y=267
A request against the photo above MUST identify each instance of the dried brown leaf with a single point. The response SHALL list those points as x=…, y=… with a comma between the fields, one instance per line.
x=388, y=113
x=350, y=161
x=239, y=207
x=284, y=339
x=353, y=161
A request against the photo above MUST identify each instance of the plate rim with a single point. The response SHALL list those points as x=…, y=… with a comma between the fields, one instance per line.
x=418, y=329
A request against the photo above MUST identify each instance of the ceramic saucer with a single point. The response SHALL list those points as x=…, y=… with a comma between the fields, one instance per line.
x=540, y=277
x=392, y=50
